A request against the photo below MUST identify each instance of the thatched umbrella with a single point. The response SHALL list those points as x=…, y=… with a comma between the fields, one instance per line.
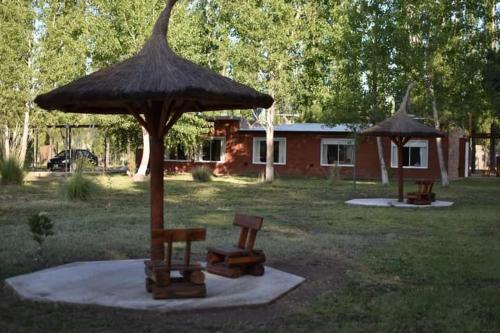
x=161, y=86
x=401, y=128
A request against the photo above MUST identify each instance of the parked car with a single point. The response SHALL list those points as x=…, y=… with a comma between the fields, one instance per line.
x=61, y=160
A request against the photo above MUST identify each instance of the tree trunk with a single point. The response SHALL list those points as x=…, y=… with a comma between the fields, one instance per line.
x=270, y=145
x=141, y=172
x=24, y=139
x=106, y=152
x=439, y=143
x=383, y=169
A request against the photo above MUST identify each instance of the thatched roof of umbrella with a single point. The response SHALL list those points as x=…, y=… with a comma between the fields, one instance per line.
x=154, y=74
x=401, y=124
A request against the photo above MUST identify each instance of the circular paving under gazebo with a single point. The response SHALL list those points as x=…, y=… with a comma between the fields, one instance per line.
x=388, y=202
x=120, y=283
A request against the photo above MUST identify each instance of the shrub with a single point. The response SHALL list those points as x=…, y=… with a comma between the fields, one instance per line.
x=41, y=227
x=11, y=172
x=202, y=174
x=79, y=187
x=82, y=164
x=334, y=173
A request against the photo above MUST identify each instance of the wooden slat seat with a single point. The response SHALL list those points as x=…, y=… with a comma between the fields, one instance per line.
x=175, y=266
x=233, y=261
x=233, y=251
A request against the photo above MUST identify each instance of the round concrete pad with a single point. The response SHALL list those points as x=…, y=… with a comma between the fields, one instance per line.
x=120, y=283
x=385, y=202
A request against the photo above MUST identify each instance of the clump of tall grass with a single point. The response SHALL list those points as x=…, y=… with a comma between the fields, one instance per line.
x=79, y=187
x=82, y=164
x=11, y=172
x=334, y=174
x=202, y=174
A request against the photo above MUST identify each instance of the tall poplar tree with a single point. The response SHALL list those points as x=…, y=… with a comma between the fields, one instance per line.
x=17, y=28
x=119, y=29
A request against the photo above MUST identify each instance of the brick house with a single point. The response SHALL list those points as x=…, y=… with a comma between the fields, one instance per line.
x=236, y=148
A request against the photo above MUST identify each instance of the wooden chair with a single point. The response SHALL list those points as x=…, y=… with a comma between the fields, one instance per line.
x=424, y=194
x=234, y=261
x=159, y=280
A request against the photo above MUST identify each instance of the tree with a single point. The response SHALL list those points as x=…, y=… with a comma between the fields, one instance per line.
x=119, y=30
x=365, y=76
x=491, y=71
x=17, y=68
x=263, y=36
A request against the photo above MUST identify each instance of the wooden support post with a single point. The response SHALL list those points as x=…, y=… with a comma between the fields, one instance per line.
x=187, y=254
x=156, y=191
x=400, y=142
x=154, y=115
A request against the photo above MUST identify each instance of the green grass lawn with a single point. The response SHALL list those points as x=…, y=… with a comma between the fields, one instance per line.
x=367, y=269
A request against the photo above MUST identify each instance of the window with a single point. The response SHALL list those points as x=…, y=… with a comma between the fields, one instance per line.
x=337, y=152
x=415, y=154
x=260, y=149
x=176, y=153
x=212, y=150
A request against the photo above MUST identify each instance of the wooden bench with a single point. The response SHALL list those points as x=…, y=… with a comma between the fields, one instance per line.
x=159, y=280
x=234, y=261
x=423, y=195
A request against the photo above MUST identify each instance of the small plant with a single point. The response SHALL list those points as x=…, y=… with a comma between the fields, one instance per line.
x=261, y=177
x=11, y=172
x=79, y=187
x=202, y=174
x=41, y=227
x=334, y=173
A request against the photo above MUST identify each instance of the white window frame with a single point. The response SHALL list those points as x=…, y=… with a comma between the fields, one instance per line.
x=344, y=142
x=222, y=150
x=256, y=150
x=411, y=143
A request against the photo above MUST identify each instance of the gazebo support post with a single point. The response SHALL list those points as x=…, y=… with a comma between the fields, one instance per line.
x=156, y=187
x=400, y=170
x=400, y=142
x=156, y=191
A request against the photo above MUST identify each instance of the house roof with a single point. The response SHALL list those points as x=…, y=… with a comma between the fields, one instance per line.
x=156, y=73
x=304, y=127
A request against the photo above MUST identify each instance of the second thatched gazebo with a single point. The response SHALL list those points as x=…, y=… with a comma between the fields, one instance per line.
x=156, y=86
x=400, y=128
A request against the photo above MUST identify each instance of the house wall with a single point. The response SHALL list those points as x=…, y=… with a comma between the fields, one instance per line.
x=303, y=153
